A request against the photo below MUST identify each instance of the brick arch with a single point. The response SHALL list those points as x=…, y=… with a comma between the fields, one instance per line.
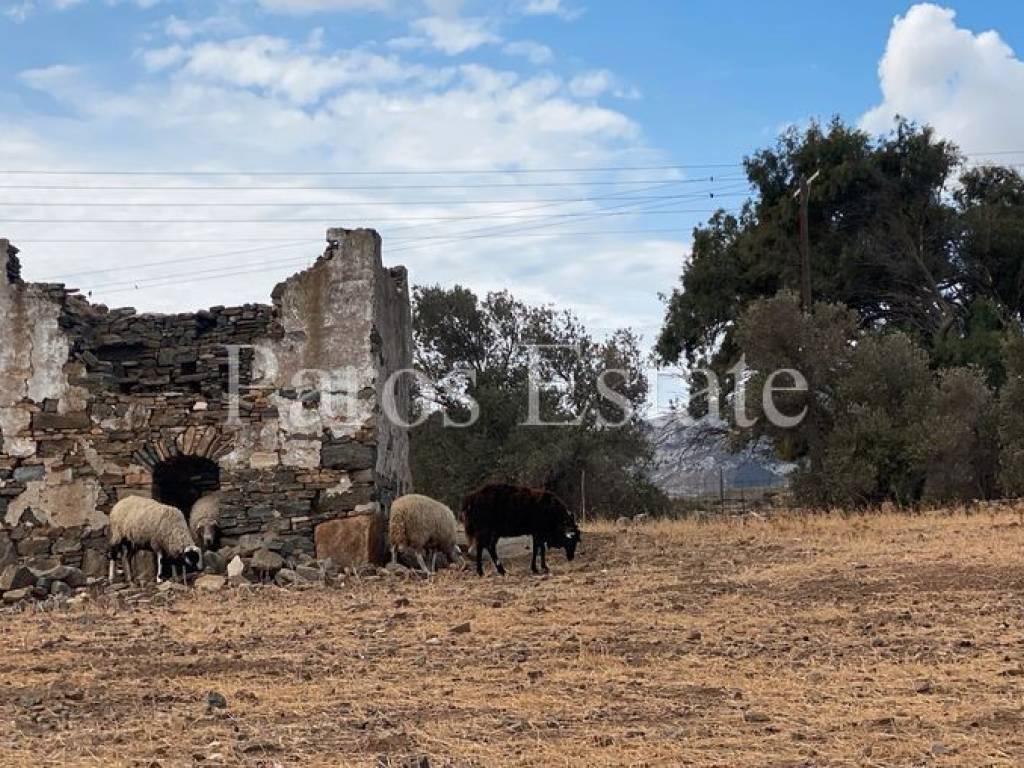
x=203, y=442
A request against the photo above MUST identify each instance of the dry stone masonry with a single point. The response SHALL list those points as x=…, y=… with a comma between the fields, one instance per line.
x=99, y=403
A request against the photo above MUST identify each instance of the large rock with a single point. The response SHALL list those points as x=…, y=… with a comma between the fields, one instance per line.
x=210, y=582
x=94, y=563
x=8, y=554
x=348, y=454
x=214, y=562
x=71, y=576
x=266, y=562
x=17, y=595
x=16, y=577
x=352, y=541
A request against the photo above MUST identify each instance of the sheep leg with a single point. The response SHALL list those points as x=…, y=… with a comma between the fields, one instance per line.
x=533, y=559
x=479, y=559
x=423, y=565
x=492, y=547
x=433, y=561
x=126, y=556
x=159, y=565
x=110, y=568
x=544, y=557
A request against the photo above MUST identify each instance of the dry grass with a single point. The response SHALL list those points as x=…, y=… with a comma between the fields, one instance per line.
x=884, y=640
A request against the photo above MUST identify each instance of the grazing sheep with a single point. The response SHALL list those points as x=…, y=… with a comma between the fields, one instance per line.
x=203, y=520
x=499, y=509
x=419, y=523
x=141, y=523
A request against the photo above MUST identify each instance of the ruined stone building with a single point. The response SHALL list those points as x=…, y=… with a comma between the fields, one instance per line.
x=98, y=403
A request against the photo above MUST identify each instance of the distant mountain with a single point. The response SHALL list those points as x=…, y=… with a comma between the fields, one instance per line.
x=691, y=459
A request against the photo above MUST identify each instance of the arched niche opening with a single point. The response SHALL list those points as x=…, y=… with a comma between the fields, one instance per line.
x=181, y=480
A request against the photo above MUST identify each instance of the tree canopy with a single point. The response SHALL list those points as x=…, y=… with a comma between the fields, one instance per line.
x=899, y=233
x=483, y=354
x=911, y=350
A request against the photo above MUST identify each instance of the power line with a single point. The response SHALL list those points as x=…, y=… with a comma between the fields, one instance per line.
x=416, y=172
x=705, y=194
x=219, y=272
x=347, y=203
x=400, y=241
x=363, y=187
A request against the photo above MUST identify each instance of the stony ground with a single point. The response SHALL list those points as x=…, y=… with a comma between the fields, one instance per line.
x=883, y=640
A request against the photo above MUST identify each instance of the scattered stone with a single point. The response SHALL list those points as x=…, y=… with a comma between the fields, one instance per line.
x=215, y=700
x=17, y=595
x=308, y=573
x=266, y=562
x=938, y=748
x=236, y=568
x=214, y=562
x=924, y=686
x=16, y=577
x=395, y=569
x=286, y=577
x=755, y=717
x=461, y=629
x=60, y=588
x=694, y=636
x=210, y=582
x=66, y=573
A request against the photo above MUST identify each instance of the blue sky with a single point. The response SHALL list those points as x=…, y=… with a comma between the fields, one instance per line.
x=441, y=85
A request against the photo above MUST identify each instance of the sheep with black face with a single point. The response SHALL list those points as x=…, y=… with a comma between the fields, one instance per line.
x=499, y=509
x=140, y=523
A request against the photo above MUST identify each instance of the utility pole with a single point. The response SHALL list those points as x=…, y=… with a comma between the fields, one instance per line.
x=805, y=242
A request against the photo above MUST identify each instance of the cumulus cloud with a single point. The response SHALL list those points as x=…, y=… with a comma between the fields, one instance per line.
x=263, y=102
x=599, y=82
x=550, y=8
x=969, y=86
x=279, y=66
x=453, y=35
x=302, y=7
x=535, y=53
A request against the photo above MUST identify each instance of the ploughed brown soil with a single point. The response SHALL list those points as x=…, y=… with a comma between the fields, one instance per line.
x=870, y=640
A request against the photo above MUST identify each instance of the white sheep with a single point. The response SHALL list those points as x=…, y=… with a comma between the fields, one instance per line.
x=140, y=523
x=204, y=518
x=419, y=523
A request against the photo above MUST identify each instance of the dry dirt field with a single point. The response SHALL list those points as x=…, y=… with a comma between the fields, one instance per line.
x=871, y=640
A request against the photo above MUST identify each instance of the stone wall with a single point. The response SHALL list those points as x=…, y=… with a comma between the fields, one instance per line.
x=93, y=400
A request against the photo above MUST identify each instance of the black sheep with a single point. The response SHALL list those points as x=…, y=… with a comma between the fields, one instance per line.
x=499, y=509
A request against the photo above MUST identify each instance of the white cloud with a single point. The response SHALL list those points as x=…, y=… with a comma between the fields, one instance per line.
x=302, y=7
x=266, y=103
x=162, y=58
x=455, y=35
x=279, y=66
x=535, y=53
x=218, y=24
x=969, y=86
x=550, y=8
x=19, y=11
x=599, y=82
x=56, y=79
